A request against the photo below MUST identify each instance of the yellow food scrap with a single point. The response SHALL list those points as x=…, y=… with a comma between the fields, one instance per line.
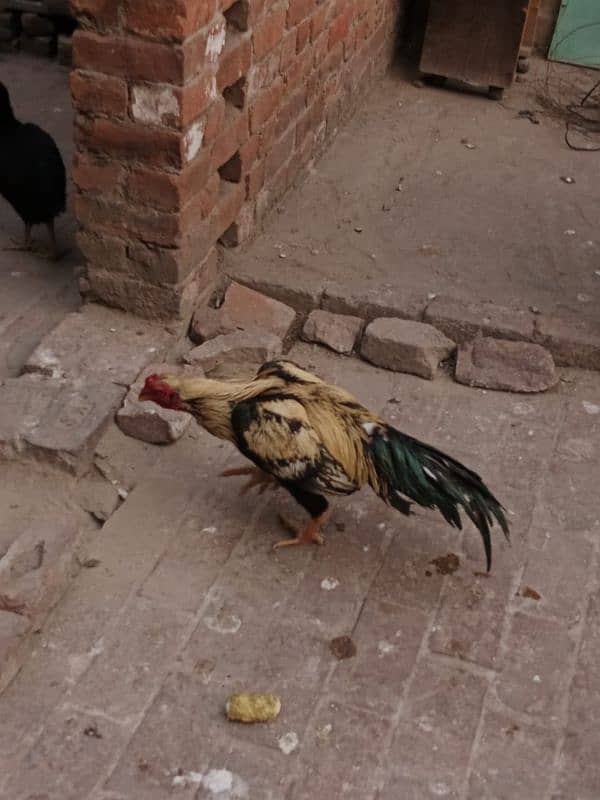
x=252, y=707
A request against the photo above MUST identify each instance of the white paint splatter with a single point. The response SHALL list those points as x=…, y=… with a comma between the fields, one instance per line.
x=439, y=789
x=154, y=105
x=385, y=648
x=288, y=742
x=210, y=529
x=225, y=624
x=329, y=584
x=187, y=779
x=192, y=141
x=218, y=780
x=590, y=408
x=325, y=731
x=537, y=679
x=215, y=41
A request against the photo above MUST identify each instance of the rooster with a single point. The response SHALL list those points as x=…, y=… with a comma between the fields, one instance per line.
x=315, y=439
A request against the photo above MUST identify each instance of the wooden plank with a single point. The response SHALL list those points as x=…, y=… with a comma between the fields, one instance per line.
x=528, y=40
x=474, y=42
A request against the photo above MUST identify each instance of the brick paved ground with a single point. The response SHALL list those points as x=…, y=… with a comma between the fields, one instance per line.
x=463, y=686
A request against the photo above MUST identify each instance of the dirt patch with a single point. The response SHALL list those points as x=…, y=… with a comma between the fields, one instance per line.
x=446, y=565
x=342, y=647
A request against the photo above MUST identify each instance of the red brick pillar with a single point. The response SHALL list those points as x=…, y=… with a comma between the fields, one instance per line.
x=150, y=199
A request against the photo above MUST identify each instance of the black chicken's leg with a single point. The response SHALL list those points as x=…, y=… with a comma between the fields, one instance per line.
x=318, y=508
x=25, y=245
x=54, y=254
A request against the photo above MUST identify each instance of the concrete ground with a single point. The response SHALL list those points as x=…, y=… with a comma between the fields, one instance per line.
x=437, y=191
x=463, y=685
x=35, y=294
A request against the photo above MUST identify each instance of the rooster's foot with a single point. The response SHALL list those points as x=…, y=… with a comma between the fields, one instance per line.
x=257, y=478
x=311, y=534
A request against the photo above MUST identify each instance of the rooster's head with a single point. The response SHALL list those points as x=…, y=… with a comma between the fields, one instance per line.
x=158, y=390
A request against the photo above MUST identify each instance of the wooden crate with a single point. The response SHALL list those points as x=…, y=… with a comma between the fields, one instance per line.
x=473, y=41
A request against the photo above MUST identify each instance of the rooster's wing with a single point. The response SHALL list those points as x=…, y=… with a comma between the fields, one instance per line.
x=276, y=434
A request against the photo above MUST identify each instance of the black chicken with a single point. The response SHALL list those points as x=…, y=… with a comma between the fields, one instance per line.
x=32, y=172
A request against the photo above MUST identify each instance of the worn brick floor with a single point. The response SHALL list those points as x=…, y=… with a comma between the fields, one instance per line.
x=463, y=686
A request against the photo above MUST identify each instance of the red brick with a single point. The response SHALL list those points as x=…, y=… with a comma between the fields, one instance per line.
x=291, y=109
x=263, y=75
x=339, y=28
x=264, y=107
x=299, y=69
x=128, y=57
x=157, y=189
x=319, y=20
x=97, y=177
x=249, y=152
x=288, y=49
x=233, y=133
x=280, y=152
x=172, y=21
x=103, y=13
x=228, y=206
x=303, y=35
x=215, y=119
x=204, y=204
x=310, y=120
x=196, y=97
x=142, y=298
x=99, y=94
x=299, y=10
x=234, y=63
x=119, y=218
x=103, y=249
x=135, y=142
x=195, y=60
x=269, y=32
x=255, y=180
x=266, y=137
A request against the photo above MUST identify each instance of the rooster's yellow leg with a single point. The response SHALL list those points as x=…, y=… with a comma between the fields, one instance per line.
x=311, y=534
x=257, y=478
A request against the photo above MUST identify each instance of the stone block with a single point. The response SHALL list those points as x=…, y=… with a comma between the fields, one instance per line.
x=54, y=419
x=36, y=569
x=373, y=303
x=505, y=366
x=339, y=332
x=405, y=346
x=96, y=495
x=463, y=321
x=240, y=349
x=246, y=308
x=573, y=343
x=99, y=341
x=148, y=421
x=13, y=629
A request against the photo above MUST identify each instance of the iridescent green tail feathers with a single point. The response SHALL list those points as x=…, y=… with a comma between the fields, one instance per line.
x=409, y=470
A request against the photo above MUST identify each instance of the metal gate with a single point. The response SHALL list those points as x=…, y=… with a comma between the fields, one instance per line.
x=577, y=34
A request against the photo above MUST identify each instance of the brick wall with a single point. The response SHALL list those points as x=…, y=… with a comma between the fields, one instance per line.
x=193, y=117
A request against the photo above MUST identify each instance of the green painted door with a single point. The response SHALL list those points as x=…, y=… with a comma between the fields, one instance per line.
x=577, y=34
